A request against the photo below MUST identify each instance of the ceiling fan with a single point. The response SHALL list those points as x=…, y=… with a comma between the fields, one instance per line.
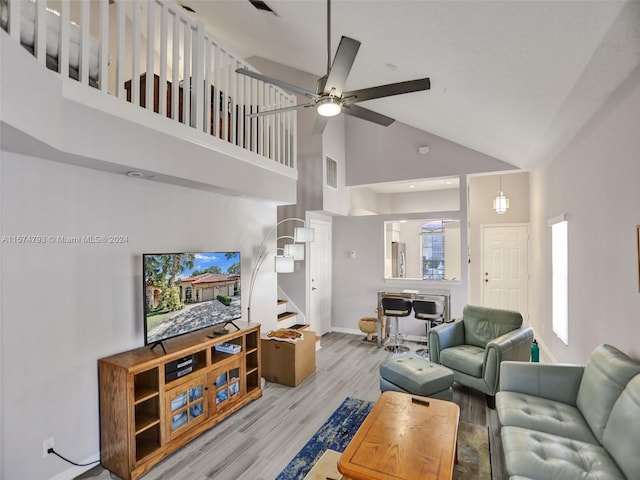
x=330, y=99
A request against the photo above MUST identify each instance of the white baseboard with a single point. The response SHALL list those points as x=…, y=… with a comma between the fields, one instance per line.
x=353, y=331
x=356, y=331
x=74, y=471
x=545, y=355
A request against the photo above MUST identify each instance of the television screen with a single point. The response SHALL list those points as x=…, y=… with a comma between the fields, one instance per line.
x=184, y=292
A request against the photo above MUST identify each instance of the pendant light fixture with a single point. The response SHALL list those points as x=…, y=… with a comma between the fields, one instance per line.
x=501, y=202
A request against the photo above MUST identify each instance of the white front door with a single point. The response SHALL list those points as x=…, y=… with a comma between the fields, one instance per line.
x=319, y=268
x=505, y=267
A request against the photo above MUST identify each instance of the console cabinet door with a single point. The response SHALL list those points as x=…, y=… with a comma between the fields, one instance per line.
x=186, y=406
x=226, y=385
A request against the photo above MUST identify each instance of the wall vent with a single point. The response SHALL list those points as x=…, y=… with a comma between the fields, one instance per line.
x=332, y=173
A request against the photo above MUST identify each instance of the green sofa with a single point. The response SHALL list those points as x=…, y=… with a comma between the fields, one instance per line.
x=567, y=422
x=474, y=346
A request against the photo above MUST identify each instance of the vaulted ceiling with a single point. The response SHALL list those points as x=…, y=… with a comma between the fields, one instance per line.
x=511, y=79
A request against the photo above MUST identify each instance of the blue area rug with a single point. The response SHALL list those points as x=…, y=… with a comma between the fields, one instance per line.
x=335, y=434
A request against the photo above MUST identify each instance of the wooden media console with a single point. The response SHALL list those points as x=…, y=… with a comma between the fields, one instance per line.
x=153, y=403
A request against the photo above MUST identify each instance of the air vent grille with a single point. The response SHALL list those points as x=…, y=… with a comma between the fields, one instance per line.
x=332, y=173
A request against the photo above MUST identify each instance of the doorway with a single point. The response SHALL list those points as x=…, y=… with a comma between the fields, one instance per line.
x=505, y=267
x=319, y=283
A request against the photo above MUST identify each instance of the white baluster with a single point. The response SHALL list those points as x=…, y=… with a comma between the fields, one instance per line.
x=150, y=54
x=85, y=19
x=162, y=80
x=121, y=75
x=14, y=19
x=63, y=48
x=135, y=54
x=103, y=73
x=40, y=32
x=197, y=80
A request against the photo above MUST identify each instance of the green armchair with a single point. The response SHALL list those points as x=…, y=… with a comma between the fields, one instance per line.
x=474, y=346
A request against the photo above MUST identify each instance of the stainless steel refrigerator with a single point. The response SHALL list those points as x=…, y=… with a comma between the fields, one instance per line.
x=398, y=260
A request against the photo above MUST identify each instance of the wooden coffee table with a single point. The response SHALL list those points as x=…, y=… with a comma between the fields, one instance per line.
x=402, y=439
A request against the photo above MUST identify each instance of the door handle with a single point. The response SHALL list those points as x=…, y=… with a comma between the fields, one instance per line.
x=313, y=288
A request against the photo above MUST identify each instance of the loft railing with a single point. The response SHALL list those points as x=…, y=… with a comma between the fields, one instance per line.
x=115, y=45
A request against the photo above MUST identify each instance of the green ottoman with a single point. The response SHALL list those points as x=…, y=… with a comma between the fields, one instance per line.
x=416, y=375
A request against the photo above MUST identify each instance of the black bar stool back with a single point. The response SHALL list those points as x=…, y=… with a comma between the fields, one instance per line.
x=396, y=307
x=432, y=313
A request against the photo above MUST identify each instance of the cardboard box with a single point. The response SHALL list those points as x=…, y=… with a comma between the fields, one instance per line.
x=289, y=363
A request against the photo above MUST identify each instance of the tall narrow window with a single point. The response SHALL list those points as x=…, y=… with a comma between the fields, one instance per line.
x=432, y=242
x=560, y=277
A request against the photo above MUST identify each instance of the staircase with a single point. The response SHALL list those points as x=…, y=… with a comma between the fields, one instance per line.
x=287, y=319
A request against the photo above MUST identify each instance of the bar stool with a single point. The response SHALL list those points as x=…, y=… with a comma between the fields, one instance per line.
x=432, y=313
x=396, y=307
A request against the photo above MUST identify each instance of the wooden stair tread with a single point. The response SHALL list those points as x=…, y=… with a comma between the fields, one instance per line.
x=300, y=326
x=286, y=315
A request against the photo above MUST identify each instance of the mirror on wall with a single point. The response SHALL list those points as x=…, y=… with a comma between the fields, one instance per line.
x=423, y=249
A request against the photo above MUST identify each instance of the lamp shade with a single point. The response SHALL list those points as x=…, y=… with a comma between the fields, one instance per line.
x=295, y=250
x=284, y=264
x=501, y=203
x=303, y=234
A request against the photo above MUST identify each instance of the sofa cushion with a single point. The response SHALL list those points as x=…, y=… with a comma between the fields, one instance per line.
x=542, y=456
x=482, y=324
x=543, y=415
x=621, y=436
x=467, y=359
x=605, y=376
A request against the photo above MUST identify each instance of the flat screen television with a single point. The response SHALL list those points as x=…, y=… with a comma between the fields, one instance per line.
x=185, y=292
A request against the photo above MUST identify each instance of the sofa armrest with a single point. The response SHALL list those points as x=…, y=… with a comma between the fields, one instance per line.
x=514, y=345
x=444, y=336
x=559, y=382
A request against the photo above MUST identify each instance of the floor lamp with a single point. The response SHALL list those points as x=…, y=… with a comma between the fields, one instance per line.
x=291, y=252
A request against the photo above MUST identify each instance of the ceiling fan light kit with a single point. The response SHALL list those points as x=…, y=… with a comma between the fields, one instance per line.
x=328, y=107
x=329, y=99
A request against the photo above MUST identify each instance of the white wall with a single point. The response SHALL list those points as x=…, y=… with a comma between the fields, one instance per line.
x=595, y=180
x=482, y=190
x=64, y=306
x=416, y=202
x=384, y=154
x=336, y=201
x=357, y=281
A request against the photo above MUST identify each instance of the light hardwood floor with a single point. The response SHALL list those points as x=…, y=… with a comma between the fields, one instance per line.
x=258, y=441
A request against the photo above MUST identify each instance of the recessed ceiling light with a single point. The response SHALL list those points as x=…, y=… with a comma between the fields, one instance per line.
x=412, y=186
x=449, y=182
x=135, y=174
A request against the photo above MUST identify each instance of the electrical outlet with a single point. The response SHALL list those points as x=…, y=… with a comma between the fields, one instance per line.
x=46, y=445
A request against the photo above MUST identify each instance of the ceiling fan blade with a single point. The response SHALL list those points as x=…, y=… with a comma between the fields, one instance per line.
x=278, y=110
x=277, y=83
x=366, y=114
x=342, y=63
x=387, y=90
x=318, y=126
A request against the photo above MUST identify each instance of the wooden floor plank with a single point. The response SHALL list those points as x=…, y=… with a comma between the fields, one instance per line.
x=259, y=440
